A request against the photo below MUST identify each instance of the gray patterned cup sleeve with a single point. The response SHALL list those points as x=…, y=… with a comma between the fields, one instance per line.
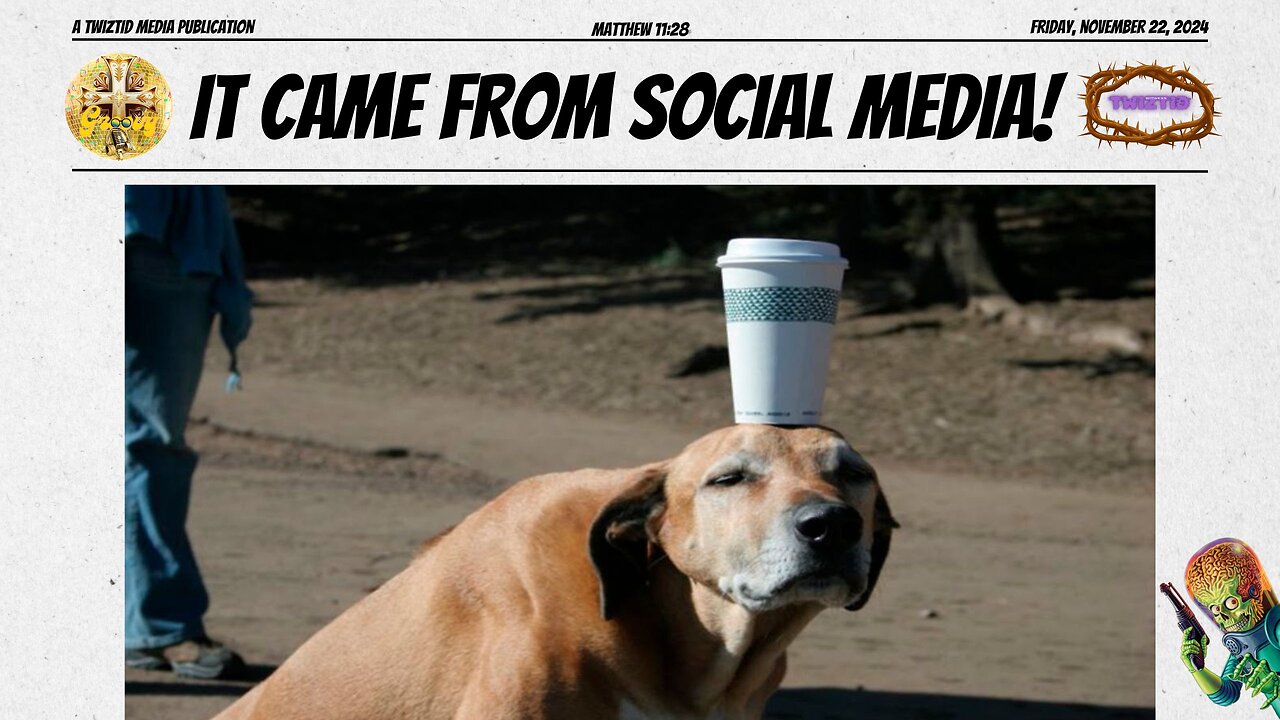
x=781, y=304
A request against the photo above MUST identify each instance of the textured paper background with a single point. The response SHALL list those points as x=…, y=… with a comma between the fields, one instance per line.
x=61, y=277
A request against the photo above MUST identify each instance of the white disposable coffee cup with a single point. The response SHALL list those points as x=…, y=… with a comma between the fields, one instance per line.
x=780, y=310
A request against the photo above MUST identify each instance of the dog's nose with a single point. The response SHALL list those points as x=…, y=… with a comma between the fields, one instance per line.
x=828, y=526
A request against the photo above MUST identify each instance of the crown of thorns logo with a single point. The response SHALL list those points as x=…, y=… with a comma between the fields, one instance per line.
x=1113, y=78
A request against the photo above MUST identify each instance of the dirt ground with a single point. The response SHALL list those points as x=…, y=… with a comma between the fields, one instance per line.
x=931, y=386
x=1021, y=468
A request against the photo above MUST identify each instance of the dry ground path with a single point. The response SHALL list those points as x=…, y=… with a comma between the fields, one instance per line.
x=1001, y=599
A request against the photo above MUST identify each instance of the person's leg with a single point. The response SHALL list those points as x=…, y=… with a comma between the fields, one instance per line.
x=167, y=322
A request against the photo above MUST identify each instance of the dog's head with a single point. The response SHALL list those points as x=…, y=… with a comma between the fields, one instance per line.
x=769, y=516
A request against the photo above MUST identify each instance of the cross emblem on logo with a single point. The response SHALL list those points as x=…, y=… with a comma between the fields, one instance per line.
x=120, y=88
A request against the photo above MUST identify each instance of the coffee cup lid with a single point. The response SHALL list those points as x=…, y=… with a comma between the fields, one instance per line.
x=747, y=251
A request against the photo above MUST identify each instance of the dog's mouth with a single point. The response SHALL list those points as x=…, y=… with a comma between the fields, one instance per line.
x=814, y=580
x=818, y=583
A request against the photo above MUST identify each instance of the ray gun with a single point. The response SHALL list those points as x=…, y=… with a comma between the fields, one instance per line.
x=1186, y=620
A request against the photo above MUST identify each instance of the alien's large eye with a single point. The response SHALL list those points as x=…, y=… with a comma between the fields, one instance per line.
x=1215, y=609
x=728, y=479
x=1231, y=603
x=125, y=122
x=115, y=122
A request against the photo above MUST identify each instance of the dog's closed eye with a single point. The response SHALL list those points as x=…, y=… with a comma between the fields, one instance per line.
x=735, y=469
x=855, y=474
x=850, y=466
x=728, y=479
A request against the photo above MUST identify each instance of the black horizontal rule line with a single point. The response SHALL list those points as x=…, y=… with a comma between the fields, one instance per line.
x=233, y=38
x=673, y=171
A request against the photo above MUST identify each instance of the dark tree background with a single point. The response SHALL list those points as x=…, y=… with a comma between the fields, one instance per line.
x=908, y=245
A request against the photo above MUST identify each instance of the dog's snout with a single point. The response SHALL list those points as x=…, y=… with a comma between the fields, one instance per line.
x=828, y=526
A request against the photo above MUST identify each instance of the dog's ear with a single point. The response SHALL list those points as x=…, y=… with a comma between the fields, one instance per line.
x=619, y=540
x=880, y=537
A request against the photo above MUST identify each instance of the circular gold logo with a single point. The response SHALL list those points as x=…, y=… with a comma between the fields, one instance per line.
x=118, y=106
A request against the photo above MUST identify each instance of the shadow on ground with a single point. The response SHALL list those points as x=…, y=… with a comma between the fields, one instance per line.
x=170, y=685
x=791, y=703
x=1112, y=364
x=844, y=704
x=875, y=294
x=590, y=297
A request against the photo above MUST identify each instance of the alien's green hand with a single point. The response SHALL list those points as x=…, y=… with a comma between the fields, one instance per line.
x=1264, y=680
x=1193, y=648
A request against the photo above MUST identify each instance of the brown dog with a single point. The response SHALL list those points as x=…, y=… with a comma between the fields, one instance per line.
x=670, y=590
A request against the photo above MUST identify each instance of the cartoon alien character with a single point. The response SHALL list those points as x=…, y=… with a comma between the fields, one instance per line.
x=1227, y=582
x=118, y=137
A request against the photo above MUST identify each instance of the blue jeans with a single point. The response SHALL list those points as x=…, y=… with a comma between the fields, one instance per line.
x=168, y=315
